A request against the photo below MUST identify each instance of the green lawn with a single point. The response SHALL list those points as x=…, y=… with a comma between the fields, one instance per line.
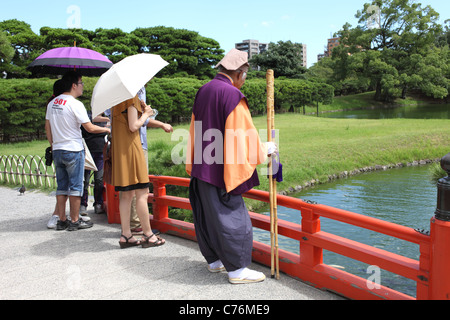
x=315, y=148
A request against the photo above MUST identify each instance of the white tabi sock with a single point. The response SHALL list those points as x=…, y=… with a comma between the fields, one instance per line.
x=245, y=273
x=216, y=267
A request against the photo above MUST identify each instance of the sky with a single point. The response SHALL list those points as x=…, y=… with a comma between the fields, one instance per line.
x=228, y=22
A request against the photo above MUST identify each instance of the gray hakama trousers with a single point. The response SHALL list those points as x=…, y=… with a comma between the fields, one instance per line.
x=222, y=225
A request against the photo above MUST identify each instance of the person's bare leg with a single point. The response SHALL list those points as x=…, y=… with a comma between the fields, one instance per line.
x=125, y=209
x=75, y=203
x=143, y=214
x=61, y=206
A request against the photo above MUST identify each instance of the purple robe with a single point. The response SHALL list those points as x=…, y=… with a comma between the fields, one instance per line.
x=214, y=102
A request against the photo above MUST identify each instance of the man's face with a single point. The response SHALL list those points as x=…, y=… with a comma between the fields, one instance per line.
x=78, y=88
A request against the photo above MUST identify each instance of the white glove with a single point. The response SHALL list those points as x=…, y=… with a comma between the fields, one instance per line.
x=271, y=148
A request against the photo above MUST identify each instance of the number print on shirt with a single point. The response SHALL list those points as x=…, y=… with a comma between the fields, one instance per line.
x=60, y=102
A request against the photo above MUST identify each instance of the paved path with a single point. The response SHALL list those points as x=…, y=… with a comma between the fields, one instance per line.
x=39, y=263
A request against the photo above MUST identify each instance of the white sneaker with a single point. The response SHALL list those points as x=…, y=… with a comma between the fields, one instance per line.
x=52, y=222
x=245, y=275
x=84, y=218
x=98, y=208
x=83, y=210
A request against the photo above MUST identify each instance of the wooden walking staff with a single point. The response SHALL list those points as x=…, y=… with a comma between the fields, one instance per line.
x=272, y=181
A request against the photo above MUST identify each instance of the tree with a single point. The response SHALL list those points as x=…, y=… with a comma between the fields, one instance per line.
x=284, y=58
x=58, y=37
x=116, y=44
x=208, y=54
x=25, y=44
x=22, y=106
x=385, y=52
x=6, y=50
x=401, y=24
x=187, y=52
x=322, y=71
x=434, y=75
x=444, y=38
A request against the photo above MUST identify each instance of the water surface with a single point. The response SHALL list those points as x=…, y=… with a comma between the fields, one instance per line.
x=428, y=111
x=404, y=196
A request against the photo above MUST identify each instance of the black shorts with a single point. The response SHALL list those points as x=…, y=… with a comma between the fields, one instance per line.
x=132, y=187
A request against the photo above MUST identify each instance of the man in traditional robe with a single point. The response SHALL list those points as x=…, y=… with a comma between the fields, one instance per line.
x=224, y=150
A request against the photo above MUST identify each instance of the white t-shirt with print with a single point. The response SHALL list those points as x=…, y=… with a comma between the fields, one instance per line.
x=66, y=114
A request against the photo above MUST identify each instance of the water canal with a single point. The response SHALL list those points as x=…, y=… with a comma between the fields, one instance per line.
x=404, y=196
x=426, y=111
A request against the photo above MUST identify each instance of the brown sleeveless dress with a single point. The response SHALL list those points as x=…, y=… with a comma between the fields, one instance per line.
x=129, y=167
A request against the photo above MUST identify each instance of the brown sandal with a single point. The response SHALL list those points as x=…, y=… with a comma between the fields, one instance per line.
x=127, y=244
x=147, y=244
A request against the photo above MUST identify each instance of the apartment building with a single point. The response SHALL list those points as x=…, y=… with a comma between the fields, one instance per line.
x=331, y=44
x=252, y=47
x=304, y=55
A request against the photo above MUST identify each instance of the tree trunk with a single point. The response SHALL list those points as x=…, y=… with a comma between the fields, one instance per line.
x=405, y=88
x=378, y=91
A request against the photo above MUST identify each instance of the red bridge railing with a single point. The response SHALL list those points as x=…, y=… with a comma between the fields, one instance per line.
x=431, y=272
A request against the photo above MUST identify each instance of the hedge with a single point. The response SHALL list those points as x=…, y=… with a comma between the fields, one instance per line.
x=23, y=101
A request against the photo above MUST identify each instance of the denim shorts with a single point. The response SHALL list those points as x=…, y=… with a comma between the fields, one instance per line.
x=69, y=167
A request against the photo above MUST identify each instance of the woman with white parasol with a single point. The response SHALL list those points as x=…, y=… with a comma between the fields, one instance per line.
x=118, y=87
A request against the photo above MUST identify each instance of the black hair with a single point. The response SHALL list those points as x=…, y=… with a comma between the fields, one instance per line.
x=70, y=78
x=58, y=89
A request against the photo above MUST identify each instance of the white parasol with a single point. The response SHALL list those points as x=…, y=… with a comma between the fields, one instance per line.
x=123, y=81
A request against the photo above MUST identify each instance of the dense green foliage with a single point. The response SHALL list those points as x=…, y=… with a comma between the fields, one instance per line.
x=283, y=58
x=23, y=101
x=188, y=53
x=22, y=106
x=404, y=51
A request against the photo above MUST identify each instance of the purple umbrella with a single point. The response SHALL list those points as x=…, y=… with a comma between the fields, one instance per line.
x=60, y=60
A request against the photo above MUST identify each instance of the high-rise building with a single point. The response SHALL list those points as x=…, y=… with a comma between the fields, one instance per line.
x=304, y=55
x=252, y=47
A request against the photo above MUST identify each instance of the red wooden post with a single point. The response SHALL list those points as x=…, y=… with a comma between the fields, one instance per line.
x=160, y=211
x=440, y=239
x=440, y=260
x=423, y=284
x=310, y=255
x=112, y=204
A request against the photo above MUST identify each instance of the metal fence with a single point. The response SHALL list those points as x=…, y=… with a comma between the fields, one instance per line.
x=27, y=170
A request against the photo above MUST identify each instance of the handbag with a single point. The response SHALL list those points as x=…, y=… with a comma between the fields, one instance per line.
x=107, y=162
x=89, y=163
